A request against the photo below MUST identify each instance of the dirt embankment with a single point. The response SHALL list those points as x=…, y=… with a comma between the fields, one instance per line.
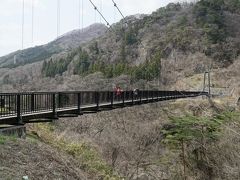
x=123, y=143
x=36, y=160
x=130, y=140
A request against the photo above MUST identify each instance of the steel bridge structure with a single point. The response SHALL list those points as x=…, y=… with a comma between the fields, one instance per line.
x=32, y=107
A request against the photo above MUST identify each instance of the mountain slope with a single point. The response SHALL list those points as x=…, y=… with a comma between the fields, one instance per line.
x=172, y=43
x=66, y=42
x=180, y=38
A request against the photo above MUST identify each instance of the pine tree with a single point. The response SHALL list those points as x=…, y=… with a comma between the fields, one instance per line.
x=189, y=129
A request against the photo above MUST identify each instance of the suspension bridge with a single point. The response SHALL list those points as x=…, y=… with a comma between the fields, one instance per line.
x=33, y=107
x=21, y=108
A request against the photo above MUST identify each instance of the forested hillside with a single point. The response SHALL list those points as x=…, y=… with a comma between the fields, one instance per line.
x=173, y=42
x=139, y=44
x=184, y=139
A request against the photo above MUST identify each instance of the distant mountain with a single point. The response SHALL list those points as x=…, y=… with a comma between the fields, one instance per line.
x=66, y=42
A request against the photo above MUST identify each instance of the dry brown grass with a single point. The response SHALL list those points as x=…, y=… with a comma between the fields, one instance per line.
x=129, y=140
x=36, y=160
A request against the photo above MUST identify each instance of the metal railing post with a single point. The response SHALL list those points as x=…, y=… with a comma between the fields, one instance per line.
x=147, y=95
x=59, y=100
x=79, y=103
x=132, y=94
x=140, y=92
x=54, y=105
x=97, y=99
x=19, y=118
x=112, y=95
x=32, y=102
x=123, y=98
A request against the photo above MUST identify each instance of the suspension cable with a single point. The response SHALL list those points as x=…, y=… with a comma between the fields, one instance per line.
x=101, y=14
x=100, y=18
x=23, y=12
x=79, y=12
x=82, y=15
x=32, y=20
x=95, y=16
x=58, y=17
x=115, y=14
x=115, y=5
x=124, y=21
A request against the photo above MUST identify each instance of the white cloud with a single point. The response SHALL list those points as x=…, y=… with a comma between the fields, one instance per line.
x=45, y=18
x=27, y=2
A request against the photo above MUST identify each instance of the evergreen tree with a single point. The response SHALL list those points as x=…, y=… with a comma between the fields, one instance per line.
x=82, y=64
x=189, y=130
x=209, y=15
x=131, y=36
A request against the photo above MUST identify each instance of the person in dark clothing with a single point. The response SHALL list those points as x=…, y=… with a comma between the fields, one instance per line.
x=136, y=92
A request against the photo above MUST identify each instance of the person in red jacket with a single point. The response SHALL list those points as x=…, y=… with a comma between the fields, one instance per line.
x=118, y=91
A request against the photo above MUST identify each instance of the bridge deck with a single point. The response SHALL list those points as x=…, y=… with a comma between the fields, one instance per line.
x=43, y=107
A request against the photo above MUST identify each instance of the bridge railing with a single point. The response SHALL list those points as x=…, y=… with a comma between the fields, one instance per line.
x=18, y=104
x=88, y=97
x=8, y=107
x=66, y=100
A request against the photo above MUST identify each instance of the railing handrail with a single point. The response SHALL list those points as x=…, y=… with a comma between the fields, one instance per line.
x=92, y=91
x=21, y=103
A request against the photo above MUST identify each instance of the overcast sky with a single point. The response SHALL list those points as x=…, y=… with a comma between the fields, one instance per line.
x=45, y=18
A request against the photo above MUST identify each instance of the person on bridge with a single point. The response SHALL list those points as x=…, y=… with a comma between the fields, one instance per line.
x=118, y=92
x=135, y=92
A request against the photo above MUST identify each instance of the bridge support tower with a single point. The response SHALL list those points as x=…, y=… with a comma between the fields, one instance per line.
x=207, y=82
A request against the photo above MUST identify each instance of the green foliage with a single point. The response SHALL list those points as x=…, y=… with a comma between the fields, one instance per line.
x=2, y=139
x=163, y=14
x=4, y=110
x=223, y=53
x=32, y=55
x=108, y=71
x=182, y=21
x=94, y=47
x=209, y=15
x=87, y=156
x=190, y=128
x=233, y=5
x=180, y=38
x=83, y=63
x=168, y=11
x=123, y=51
x=131, y=36
x=195, y=132
x=52, y=68
x=148, y=70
